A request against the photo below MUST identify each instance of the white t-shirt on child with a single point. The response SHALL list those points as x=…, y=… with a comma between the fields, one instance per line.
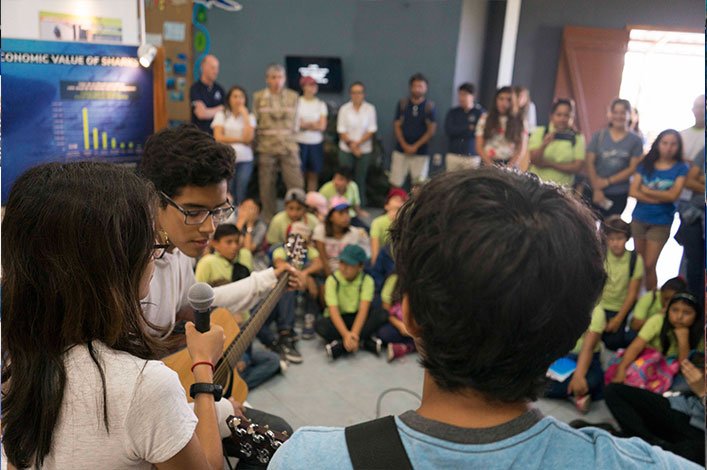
x=310, y=111
x=233, y=127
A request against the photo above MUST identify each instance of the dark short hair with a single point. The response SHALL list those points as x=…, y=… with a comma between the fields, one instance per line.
x=345, y=171
x=467, y=87
x=226, y=230
x=613, y=225
x=475, y=253
x=184, y=156
x=418, y=77
x=256, y=201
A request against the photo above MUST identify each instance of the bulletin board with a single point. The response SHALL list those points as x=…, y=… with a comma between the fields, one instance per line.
x=168, y=24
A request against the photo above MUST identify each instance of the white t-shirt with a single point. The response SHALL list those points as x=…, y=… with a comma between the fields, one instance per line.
x=174, y=276
x=356, y=123
x=693, y=140
x=148, y=415
x=334, y=247
x=233, y=127
x=310, y=111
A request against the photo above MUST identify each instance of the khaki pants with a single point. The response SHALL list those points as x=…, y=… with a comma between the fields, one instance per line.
x=417, y=165
x=462, y=162
x=267, y=177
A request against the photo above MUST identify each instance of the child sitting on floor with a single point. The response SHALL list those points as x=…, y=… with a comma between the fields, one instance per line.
x=348, y=322
x=625, y=273
x=295, y=210
x=652, y=303
x=393, y=333
x=341, y=185
x=381, y=224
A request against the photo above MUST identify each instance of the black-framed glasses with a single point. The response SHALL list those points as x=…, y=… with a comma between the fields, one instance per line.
x=198, y=216
x=159, y=249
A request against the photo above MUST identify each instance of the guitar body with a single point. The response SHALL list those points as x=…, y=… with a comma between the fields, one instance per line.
x=181, y=362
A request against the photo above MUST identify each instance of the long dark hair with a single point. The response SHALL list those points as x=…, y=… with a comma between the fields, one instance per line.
x=514, y=125
x=78, y=238
x=227, y=101
x=653, y=154
x=696, y=330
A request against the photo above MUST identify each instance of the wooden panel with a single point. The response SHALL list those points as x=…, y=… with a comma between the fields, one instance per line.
x=589, y=71
x=159, y=90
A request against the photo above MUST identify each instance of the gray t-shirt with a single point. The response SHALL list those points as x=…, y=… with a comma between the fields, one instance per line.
x=612, y=157
x=698, y=199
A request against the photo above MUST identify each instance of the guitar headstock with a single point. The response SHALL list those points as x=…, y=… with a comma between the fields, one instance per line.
x=296, y=250
x=254, y=442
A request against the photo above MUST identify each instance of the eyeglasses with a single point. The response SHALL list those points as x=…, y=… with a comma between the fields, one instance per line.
x=158, y=250
x=198, y=216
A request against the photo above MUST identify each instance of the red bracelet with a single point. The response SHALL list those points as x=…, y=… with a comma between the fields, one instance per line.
x=201, y=363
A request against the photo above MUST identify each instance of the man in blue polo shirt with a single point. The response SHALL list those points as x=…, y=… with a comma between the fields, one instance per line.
x=206, y=96
x=460, y=127
x=414, y=127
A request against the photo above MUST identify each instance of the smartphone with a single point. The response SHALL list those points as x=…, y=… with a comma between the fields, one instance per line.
x=565, y=136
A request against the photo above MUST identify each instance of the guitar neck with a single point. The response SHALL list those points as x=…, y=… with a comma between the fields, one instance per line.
x=251, y=328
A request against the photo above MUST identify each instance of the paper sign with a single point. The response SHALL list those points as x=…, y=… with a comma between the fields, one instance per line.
x=174, y=31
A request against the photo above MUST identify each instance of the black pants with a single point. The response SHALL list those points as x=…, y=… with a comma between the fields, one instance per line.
x=691, y=238
x=326, y=329
x=262, y=418
x=620, y=338
x=647, y=415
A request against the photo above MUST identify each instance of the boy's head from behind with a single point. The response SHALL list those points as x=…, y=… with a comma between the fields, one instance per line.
x=295, y=204
x=617, y=233
x=341, y=179
x=227, y=241
x=190, y=171
x=351, y=261
x=500, y=274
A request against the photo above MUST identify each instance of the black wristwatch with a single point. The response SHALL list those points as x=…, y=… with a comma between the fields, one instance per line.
x=215, y=389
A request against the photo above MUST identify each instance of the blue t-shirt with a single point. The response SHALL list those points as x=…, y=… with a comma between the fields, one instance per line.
x=211, y=96
x=543, y=443
x=460, y=127
x=415, y=118
x=662, y=180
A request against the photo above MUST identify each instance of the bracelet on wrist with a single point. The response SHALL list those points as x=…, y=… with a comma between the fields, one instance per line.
x=203, y=363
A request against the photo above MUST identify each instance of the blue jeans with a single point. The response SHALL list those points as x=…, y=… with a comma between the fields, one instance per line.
x=240, y=180
x=388, y=333
x=594, y=377
x=284, y=317
x=260, y=366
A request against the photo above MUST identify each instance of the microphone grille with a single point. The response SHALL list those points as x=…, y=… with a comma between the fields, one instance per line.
x=200, y=296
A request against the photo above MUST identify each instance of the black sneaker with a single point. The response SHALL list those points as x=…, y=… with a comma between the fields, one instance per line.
x=335, y=350
x=288, y=349
x=373, y=344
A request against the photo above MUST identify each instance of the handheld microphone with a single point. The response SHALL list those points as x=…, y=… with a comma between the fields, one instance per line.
x=200, y=297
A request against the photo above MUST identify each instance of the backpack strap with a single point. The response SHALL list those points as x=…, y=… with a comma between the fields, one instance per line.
x=632, y=264
x=376, y=444
x=402, y=105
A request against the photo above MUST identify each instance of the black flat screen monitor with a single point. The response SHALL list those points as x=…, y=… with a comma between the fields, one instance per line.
x=325, y=70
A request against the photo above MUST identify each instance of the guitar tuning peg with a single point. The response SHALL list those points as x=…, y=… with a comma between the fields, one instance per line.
x=267, y=427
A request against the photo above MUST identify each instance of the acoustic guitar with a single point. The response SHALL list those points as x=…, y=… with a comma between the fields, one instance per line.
x=238, y=339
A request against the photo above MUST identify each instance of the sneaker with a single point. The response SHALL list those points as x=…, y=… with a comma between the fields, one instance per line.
x=283, y=365
x=373, y=344
x=396, y=350
x=308, y=328
x=288, y=349
x=582, y=403
x=335, y=350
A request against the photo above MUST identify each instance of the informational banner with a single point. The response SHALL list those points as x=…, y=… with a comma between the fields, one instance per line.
x=71, y=101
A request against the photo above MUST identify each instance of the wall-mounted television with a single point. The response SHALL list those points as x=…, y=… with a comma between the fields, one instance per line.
x=326, y=71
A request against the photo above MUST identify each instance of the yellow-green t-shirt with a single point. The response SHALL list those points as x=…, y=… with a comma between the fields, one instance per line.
x=647, y=306
x=389, y=289
x=347, y=297
x=379, y=228
x=650, y=333
x=597, y=325
x=352, y=194
x=277, y=231
x=213, y=268
x=616, y=287
x=557, y=151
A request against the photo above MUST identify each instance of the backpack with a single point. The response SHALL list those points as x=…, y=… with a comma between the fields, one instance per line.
x=650, y=371
x=403, y=104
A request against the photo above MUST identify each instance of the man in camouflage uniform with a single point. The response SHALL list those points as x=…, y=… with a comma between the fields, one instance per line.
x=275, y=109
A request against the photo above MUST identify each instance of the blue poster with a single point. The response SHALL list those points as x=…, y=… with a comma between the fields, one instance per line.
x=66, y=101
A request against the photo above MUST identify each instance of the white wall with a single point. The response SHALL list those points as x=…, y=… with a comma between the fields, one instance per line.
x=470, y=54
x=20, y=18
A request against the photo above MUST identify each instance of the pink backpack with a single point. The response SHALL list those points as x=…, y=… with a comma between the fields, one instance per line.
x=650, y=371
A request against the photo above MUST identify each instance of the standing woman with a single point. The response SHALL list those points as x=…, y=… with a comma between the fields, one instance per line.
x=82, y=388
x=356, y=125
x=312, y=114
x=656, y=185
x=501, y=136
x=612, y=157
x=557, y=151
x=236, y=126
